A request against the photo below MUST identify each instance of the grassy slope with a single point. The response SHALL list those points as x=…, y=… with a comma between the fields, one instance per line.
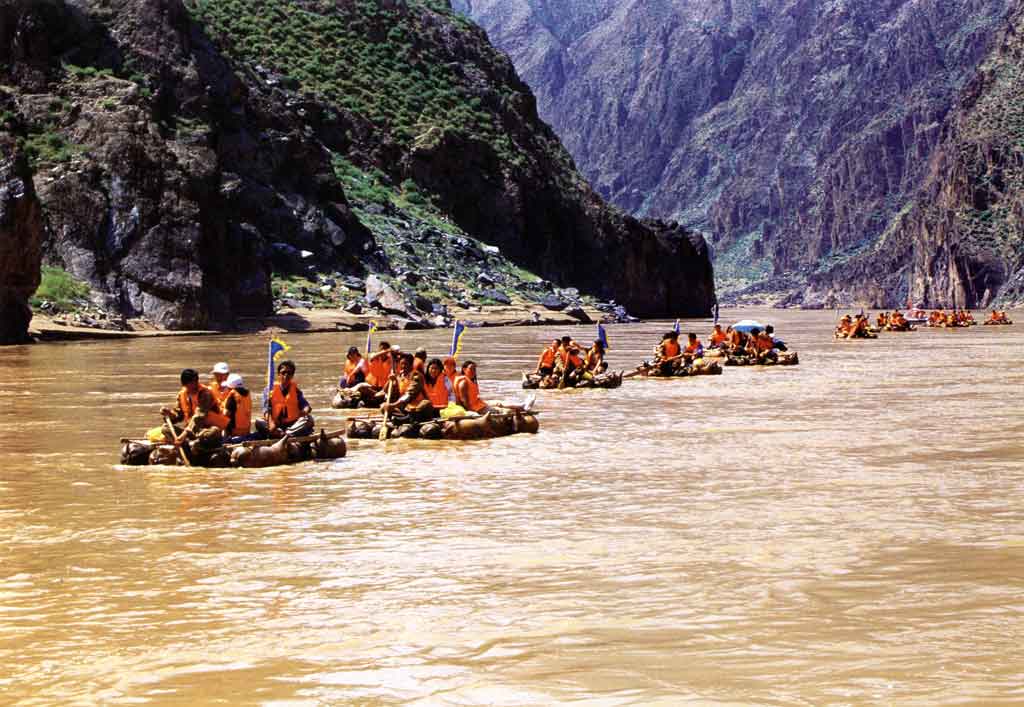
x=399, y=68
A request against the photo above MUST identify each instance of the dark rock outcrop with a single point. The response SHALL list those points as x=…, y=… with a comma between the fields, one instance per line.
x=21, y=236
x=181, y=157
x=791, y=132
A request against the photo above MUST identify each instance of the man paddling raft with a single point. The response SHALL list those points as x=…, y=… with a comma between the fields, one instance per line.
x=196, y=410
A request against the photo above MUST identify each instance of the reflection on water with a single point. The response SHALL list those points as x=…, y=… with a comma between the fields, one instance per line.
x=846, y=531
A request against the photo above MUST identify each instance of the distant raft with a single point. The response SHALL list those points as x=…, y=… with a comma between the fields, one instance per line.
x=700, y=367
x=534, y=381
x=487, y=426
x=208, y=451
x=783, y=359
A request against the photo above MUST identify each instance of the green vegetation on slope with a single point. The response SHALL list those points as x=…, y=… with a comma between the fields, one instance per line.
x=60, y=289
x=387, y=65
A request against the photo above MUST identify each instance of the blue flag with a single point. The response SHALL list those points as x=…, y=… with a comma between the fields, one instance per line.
x=457, y=334
x=602, y=336
x=276, y=350
x=675, y=327
x=369, y=336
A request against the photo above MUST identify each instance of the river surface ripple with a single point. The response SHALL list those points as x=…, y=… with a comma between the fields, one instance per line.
x=848, y=531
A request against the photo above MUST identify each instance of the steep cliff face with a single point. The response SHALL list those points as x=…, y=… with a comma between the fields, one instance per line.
x=184, y=152
x=961, y=240
x=21, y=236
x=164, y=178
x=791, y=132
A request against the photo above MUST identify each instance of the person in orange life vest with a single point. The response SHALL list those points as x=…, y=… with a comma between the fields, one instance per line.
x=286, y=411
x=419, y=360
x=667, y=354
x=450, y=374
x=216, y=385
x=569, y=361
x=412, y=400
x=237, y=406
x=196, y=409
x=467, y=394
x=467, y=391
x=736, y=341
x=718, y=337
x=356, y=369
x=694, y=349
x=763, y=345
x=379, y=365
x=436, y=385
x=546, y=361
x=594, y=363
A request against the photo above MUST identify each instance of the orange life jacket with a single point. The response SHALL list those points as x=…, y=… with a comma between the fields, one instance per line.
x=670, y=349
x=243, y=413
x=351, y=366
x=692, y=348
x=572, y=356
x=220, y=392
x=380, y=369
x=717, y=337
x=284, y=409
x=472, y=401
x=547, y=357
x=764, y=343
x=437, y=392
x=189, y=404
x=403, y=385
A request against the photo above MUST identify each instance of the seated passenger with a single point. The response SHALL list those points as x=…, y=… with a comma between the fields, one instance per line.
x=379, y=366
x=196, y=409
x=412, y=392
x=668, y=353
x=546, y=361
x=694, y=348
x=356, y=369
x=238, y=408
x=467, y=391
x=594, y=363
x=286, y=411
x=217, y=385
x=436, y=385
x=569, y=363
x=764, y=347
x=718, y=337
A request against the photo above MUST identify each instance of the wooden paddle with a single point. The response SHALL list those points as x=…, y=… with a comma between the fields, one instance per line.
x=383, y=434
x=177, y=442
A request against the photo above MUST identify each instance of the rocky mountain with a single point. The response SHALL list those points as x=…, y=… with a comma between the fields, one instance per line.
x=961, y=239
x=791, y=132
x=184, y=155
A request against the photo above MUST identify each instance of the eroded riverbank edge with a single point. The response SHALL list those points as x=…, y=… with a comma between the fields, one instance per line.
x=313, y=321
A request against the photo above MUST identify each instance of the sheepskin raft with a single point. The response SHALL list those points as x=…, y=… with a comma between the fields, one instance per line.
x=700, y=367
x=784, y=359
x=487, y=426
x=209, y=451
x=533, y=381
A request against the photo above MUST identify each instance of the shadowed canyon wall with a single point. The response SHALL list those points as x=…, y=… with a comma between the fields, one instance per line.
x=178, y=148
x=791, y=132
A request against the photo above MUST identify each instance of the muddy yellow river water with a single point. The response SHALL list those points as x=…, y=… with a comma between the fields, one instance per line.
x=848, y=531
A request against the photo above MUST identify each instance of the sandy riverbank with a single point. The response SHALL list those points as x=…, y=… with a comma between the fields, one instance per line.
x=45, y=329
